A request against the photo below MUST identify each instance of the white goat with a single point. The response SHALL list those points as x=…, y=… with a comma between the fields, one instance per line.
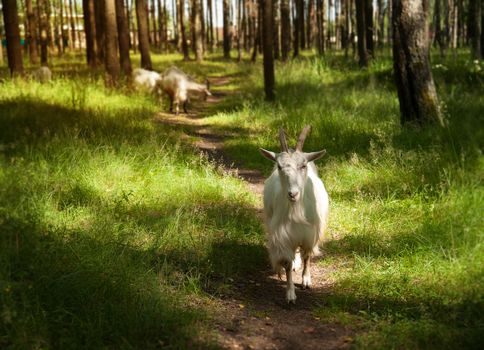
x=296, y=207
x=176, y=84
x=42, y=74
x=147, y=80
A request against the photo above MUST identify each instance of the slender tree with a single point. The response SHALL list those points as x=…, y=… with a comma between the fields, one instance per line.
x=368, y=10
x=161, y=25
x=268, y=45
x=12, y=33
x=143, y=35
x=111, y=61
x=360, y=28
x=413, y=76
x=90, y=30
x=32, y=32
x=123, y=37
x=320, y=11
x=100, y=29
x=285, y=29
x=197, y=29
x=226, y=29
x=300, y=22
x=44, y=31
x=181, y=21
x=474, y=26
x=275, y=31
x=211, y=41
x=239, y=30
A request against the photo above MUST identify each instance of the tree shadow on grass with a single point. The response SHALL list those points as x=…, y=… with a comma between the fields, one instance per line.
x=70, y=290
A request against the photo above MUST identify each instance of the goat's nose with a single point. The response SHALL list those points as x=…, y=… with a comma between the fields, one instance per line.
x=293, y=194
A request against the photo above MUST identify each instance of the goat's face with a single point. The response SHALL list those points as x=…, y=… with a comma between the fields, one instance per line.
x=292, y=165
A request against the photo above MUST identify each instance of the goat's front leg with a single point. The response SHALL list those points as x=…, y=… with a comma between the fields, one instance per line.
x=306, y=274
x=290, y=290
x=171, y=104
x=177, y=108
x=185, y=105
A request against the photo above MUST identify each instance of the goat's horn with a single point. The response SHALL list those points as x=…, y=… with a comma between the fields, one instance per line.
x=282, y=139
x=302, y=137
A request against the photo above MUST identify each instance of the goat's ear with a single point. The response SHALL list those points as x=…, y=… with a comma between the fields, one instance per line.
x=268, y=154
x=312, y=156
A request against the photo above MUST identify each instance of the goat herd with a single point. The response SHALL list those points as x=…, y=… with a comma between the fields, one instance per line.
x=296, y=203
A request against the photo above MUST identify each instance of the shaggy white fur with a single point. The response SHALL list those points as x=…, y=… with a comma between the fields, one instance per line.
x=296, y=207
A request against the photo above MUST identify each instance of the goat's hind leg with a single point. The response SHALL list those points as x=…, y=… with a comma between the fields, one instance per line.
x=290, y=290
x=306, y=274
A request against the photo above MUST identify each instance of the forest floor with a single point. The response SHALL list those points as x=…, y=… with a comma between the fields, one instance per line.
x=253, y=313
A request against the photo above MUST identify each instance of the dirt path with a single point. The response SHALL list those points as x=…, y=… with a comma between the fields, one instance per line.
x=254, y=313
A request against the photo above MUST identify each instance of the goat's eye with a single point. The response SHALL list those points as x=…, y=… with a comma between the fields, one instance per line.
x=304, y=166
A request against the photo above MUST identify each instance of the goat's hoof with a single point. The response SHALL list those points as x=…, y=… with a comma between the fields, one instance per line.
x=291, y=296
x=306, y=282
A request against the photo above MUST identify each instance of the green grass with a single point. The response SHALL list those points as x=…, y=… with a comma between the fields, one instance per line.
x=114, y=232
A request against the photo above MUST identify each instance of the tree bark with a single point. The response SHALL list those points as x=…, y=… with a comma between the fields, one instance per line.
x=211, y=42
x=285, y=29
x=111, y=61
x=90, y=30
x=268, y=45
x=474, y=27
x=100, y=29
x=320, y=11
x=300, y=22
x=181, y=21
x=73, y=26
x=309, y=24
x=369, y=27
x=32, y=33
x=123, y=38
x=361, y=32
x=226, y=29
x=197, y=9
x=413, y=76
x=143, y=35
x=12, y=34
x=44, y=32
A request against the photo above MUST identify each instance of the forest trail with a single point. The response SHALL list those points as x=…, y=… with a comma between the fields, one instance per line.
x=253, y=313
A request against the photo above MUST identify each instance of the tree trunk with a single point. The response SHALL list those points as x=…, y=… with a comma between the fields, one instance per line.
x=161, y=26
x=181, y=21
x=153, y=24
x=381, y=23
x=143, y=35
x=269, y=80
x=226, y=29
x=90, y=30
x=100, y=29
x=369, y=27
x=111, y=61
x=474, y=28
x=211, y=41
x=32, y=33
x=296, y=27
x=123, y=38
x=239, y=30
x=44, y=33
x=309, y=24
x=197, y=9
x=73, y=26
x=320, y=11
x=413, y=76
x=12, y=34
x=361, y=32
x=285, y=29
x=300, y=22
